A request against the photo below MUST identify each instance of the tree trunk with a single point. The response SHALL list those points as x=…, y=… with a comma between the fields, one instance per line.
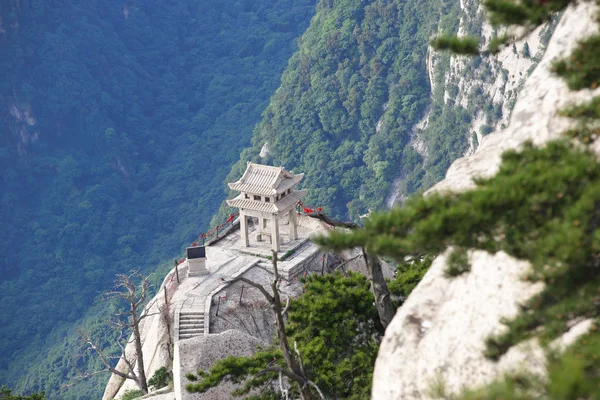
x=305, y=393
x=141, y=375
x=288, y=355
x=383, y=301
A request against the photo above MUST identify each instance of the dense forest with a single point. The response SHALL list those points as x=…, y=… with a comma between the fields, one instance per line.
x=119, y=122
x=368, y=112
x=349, y=99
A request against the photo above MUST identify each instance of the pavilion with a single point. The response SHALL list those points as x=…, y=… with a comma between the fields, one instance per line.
x=267, y=193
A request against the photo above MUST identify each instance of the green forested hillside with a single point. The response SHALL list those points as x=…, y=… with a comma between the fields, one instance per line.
x=119, y=122
x=349, y=99
x=355, y=109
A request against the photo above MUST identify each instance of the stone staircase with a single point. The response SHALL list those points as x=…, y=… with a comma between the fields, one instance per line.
x=191, y=323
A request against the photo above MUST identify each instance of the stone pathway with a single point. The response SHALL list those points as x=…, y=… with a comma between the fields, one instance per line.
x=226, y=259
x=194, y=293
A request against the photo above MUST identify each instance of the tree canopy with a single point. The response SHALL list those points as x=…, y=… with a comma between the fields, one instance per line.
x=348, y=102
x=542, y=206
x=336, y=329
x=119, y=123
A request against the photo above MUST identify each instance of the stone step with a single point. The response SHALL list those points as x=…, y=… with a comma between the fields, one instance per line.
x=191, y=330
x=188, y=316
x=191, y=326
x=191, y=334
x=196, y=274
x=187, y=336
x=190, y=312
x=185, y=314
x=191, y=321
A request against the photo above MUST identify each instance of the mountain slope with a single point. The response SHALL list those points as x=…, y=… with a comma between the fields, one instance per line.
x=119, y=122
x=371, y=114
x=348, y=101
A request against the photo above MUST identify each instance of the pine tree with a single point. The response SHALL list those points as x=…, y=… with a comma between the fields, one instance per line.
x=334, y=327
x=542, y=206
x=6, y=394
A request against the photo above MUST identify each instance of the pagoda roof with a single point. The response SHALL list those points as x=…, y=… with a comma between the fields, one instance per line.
x=265, y=180
x=283, y=204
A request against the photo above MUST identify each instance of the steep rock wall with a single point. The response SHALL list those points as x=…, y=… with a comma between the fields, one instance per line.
x=438, y=334
x=470, y=97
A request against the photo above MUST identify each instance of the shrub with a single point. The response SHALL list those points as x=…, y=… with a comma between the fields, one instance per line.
x=160, y=378
x=132, y=394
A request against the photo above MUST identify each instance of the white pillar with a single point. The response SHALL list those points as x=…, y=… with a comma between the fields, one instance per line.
x=244, y=229
x=275, y=232
x=262, y=228
x=293, y=224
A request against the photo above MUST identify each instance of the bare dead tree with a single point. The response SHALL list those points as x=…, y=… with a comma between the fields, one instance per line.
x=165, y=315
x=132, y=288
x=383, y=300
x=295, y=369
x=344, y=263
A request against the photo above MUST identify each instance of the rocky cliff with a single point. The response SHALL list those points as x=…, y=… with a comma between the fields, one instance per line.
x=438, y=335
x=474, y=96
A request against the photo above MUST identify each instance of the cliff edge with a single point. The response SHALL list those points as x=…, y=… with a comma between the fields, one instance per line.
x=438, y=334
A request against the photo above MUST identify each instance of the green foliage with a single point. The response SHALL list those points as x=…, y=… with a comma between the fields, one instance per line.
x=132, y=394
x=497, y=42
x=336, y=328
x=516, y=387
x=135, y=123
x=573, y=374
x=349, y=99
x=582, y=68
x=160, y=379
x=191, y=377
x=458, y=262
x=468, y=45
x=541, y=206
x=587, y=112
x=408, y=275
x=6, y=394
x=236, y=370
x=529, y=14
x=587, y=129
x=287, y=254
x=525, y=13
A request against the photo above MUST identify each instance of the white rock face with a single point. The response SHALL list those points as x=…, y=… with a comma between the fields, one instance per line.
x=508, y=70
x=439, y=333
x=535, y=116
x=202, y=352
x=492, y=82
x=264, y=150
